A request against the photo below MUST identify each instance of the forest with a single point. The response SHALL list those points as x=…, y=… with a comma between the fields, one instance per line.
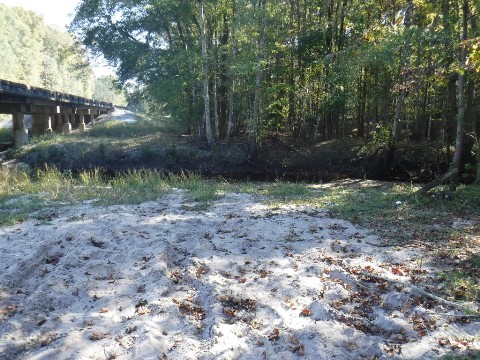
x=291, y=179
x=39, y=55
x=395, y=72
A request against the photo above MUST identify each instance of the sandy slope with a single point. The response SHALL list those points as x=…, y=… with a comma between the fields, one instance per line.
x=238, y=281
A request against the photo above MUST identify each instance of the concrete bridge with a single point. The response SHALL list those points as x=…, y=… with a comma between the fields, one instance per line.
x=51, y=111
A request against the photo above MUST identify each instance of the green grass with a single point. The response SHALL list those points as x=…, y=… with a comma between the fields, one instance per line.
x=471, y=355
x=108, y=142
x=391, y=209
x=6, y=135
x=22, y=193
x=117, y=129
x=461, y=286
x=278, y=191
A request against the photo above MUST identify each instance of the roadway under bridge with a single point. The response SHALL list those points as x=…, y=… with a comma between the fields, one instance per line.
x=51, y=111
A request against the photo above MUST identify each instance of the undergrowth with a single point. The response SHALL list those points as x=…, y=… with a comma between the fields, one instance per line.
x=6, y=135
x=22, y=193
x=447, y=224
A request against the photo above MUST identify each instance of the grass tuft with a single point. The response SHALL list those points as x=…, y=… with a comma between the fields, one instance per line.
x=6, y=135
x=22, y=193
x=461, y=286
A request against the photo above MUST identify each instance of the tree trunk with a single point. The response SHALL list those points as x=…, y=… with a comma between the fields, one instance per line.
x=456, y=162
x=476, y=131
x=258, y=79
x=215, y=106
x=453, y=174
x=231, y=89
x=208, y=125
x=402, y=91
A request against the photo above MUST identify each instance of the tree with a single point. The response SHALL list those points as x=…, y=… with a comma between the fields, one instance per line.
x=404, y=68
x=453, y=173
x=107, y=89
x=321, y=70
x=39, y=55
x=258, y=79
x=206, y=96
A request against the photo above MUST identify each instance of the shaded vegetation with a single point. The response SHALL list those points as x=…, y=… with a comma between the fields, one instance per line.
x=22, y=193
x=399, y=75
x=116, y=145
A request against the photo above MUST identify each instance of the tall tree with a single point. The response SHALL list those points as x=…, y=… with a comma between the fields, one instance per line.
x=258, y=78
x=404, y=69
x=453, y=173
x=206, y=96
x=231, y=89
x=38, y=55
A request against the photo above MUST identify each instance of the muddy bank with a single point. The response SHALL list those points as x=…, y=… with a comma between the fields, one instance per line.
x=313, y=163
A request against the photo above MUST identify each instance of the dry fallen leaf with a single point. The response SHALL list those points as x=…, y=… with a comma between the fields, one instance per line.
x=104, y=310
x=421, y=333
x=202, y=270
x=289, y=302
x=8, y=310
x=463, y=342
x=299, y=350
x=264, y=274
x=142, y=310
x=294, y=340
x=443, y=342
x=98, y=336
x=49, y=339
x=274, y=335
x=229, y=312
x=306, y=312
x=197, y=312
x=397, y=270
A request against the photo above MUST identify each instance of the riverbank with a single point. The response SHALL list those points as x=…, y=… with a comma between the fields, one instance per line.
x=245, y=278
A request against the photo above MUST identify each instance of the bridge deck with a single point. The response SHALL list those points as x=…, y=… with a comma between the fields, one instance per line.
x=15, y=93
x=51, y=111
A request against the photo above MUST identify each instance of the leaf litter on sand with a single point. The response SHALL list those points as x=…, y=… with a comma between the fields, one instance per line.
x=243, y=291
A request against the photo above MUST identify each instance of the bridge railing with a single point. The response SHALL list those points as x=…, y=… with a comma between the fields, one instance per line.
x=10, y=87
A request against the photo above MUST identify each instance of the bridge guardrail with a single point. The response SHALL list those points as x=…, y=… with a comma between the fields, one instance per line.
x=10, y=87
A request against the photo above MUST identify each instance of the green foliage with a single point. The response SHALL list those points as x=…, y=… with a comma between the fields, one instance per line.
x=462, y=286
x=331, y=69
x=117, y=129
x=39, y=55
x=22, y=193
x=6, y=135
x=147, y=152
x=108, y=90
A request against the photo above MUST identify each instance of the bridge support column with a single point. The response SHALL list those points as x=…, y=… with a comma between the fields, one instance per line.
x=67, y=126
x=20, y=132
x=41, y=123
x=48, y=124
x=57, y=123
x=66, y=114
x=82, y=113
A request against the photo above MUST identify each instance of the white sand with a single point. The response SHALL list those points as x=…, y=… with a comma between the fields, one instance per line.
x=238, y=281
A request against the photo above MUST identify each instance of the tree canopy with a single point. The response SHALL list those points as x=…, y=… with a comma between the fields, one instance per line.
x=38, y=55
x=378, y=69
